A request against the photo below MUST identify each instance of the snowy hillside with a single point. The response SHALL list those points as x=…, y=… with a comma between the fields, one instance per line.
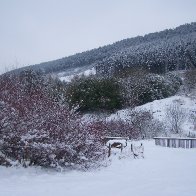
x=158, y=109
x=163, y=171
x=171, y=49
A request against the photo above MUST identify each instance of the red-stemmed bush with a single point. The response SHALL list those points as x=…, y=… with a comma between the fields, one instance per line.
x=38, y=130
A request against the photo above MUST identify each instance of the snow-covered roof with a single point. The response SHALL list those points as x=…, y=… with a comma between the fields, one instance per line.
x=119, y=138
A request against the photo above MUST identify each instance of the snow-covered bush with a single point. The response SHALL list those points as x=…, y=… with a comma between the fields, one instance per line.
x=146, y=87
x=131, y=81
x=41, y=131
x=160, y=86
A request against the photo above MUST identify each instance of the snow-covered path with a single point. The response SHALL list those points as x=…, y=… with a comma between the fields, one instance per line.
x=163, y=172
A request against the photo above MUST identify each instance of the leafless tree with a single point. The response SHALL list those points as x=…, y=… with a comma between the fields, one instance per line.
x=175, y=116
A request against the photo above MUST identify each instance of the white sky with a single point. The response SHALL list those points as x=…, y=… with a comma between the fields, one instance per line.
x=34, y=31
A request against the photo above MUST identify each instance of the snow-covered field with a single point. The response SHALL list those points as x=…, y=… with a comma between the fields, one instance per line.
x=163, y=172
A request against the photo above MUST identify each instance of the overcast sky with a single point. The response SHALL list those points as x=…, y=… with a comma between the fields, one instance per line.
x=34, y=31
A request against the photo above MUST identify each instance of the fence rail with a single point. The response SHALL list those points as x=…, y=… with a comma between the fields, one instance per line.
x=175, y=142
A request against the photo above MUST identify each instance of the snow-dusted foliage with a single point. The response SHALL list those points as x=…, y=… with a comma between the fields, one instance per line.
x=140, y=87
x=38, y=130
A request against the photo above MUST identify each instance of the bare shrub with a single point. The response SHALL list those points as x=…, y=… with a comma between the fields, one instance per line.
x=139, y=124
x=143, y=121
x=121, y=128
x=175, y=116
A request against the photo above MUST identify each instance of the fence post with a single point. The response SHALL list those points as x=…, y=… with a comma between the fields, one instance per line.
x=121, y=147
x=109, y=151
x=131, y=147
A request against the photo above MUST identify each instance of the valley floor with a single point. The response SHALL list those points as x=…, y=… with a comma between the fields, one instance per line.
x=163, y=172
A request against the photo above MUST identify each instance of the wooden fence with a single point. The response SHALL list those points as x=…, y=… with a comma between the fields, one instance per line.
x=176, y=142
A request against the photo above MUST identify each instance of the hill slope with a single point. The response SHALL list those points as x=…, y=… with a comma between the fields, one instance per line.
x=161, y=51
x=158, y=109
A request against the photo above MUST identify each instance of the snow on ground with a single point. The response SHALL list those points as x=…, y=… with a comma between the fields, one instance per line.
x=163, y=172
x=158, y=108
x=87, y=72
